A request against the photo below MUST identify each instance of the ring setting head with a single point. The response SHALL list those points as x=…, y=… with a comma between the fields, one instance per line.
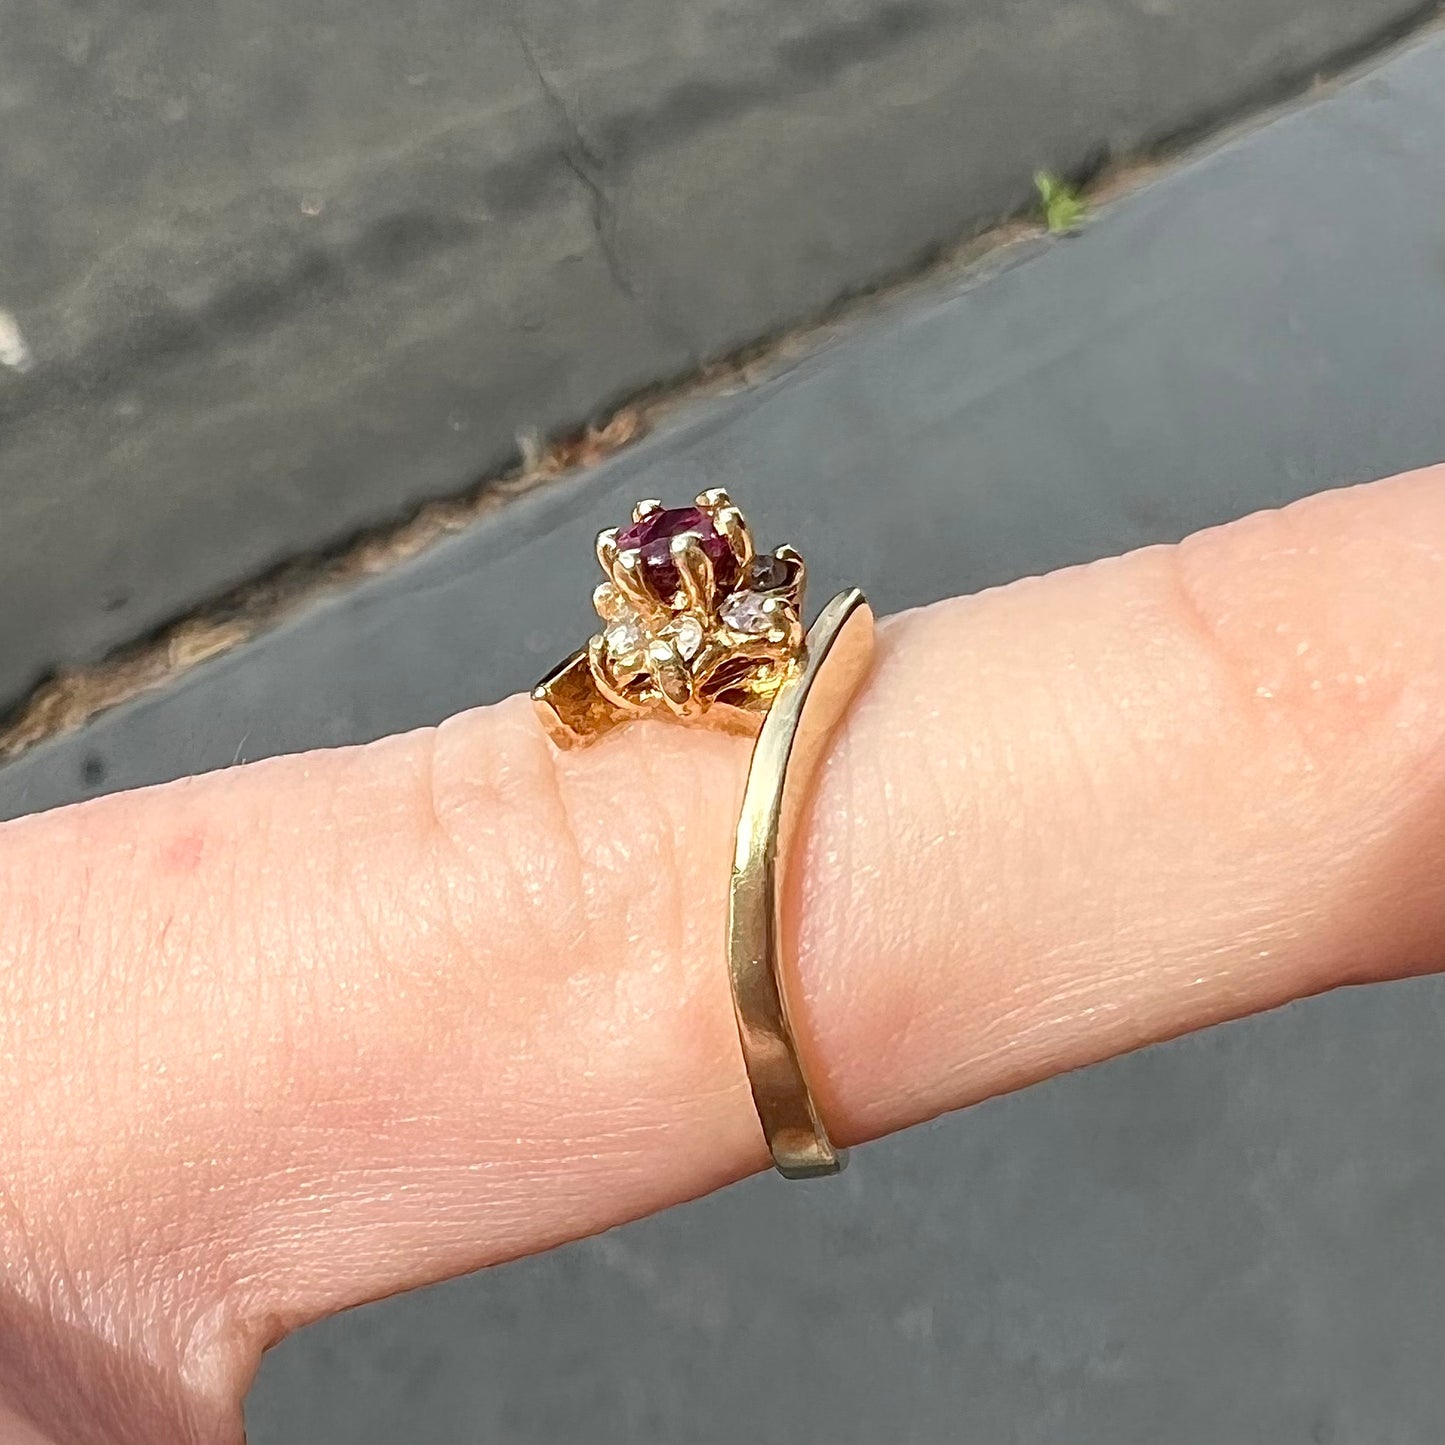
x=697, y=624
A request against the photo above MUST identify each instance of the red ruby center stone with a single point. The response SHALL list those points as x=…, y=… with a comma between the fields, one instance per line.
x=653, y=535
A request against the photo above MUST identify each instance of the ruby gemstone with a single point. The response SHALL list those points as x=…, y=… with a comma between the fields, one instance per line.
x=653, y=535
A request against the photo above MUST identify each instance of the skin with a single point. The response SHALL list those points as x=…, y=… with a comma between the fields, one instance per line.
x=304, y=1033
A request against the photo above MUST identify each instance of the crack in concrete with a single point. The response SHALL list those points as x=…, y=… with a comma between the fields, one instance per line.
x=589, y=168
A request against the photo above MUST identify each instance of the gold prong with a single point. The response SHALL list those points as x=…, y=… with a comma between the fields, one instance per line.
x=790, y=554
x=598, y=662
x=605, y=598
x=694, y=568
x=713, y=500
x=672, y=679
x=607, y=549
x=731, y=523
x=645, y=508
x=630, y=580
x=784, y=621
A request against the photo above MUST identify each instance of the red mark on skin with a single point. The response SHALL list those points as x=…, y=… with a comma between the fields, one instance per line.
x=183, y=852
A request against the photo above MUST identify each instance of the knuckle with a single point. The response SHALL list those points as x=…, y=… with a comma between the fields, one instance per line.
x=592, y=883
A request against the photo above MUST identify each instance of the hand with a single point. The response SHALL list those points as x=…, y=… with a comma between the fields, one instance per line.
x=296, y=1035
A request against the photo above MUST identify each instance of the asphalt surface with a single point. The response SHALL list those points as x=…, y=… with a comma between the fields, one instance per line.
x=274, y=271
x=1232, y=1238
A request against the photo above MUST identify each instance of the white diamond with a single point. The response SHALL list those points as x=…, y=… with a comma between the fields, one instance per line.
x=687, y=637
x=743, y=612
x=625, y=635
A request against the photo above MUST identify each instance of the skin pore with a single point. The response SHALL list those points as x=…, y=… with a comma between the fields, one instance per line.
x=307, y=1032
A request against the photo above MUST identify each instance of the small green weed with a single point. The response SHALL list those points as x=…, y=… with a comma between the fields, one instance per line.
x=1065, y=210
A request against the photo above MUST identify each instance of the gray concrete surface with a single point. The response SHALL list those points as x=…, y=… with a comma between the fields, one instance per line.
x=284, y=269
x=1234, y=1238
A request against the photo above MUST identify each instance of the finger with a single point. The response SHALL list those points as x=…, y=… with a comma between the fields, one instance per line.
x=307, y=1032
x=1132, y=799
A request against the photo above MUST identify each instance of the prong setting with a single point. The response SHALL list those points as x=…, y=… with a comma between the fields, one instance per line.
x=606, y=600
x=793, y=559
x=630, y=579
x=729, y=521
x=670, y=674
x=604, y=677
x=695, y=571
x=607, y=549
x=780, y=616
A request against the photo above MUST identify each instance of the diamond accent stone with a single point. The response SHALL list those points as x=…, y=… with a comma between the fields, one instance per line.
x=743, y=612
x=625, y=635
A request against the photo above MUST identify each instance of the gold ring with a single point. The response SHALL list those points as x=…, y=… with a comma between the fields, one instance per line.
x=699, y=626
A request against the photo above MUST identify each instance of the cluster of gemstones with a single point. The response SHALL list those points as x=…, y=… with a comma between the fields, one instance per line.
x=692, y=614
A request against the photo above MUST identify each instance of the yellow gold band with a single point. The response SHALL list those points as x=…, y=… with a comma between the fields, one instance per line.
x=791, y=744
